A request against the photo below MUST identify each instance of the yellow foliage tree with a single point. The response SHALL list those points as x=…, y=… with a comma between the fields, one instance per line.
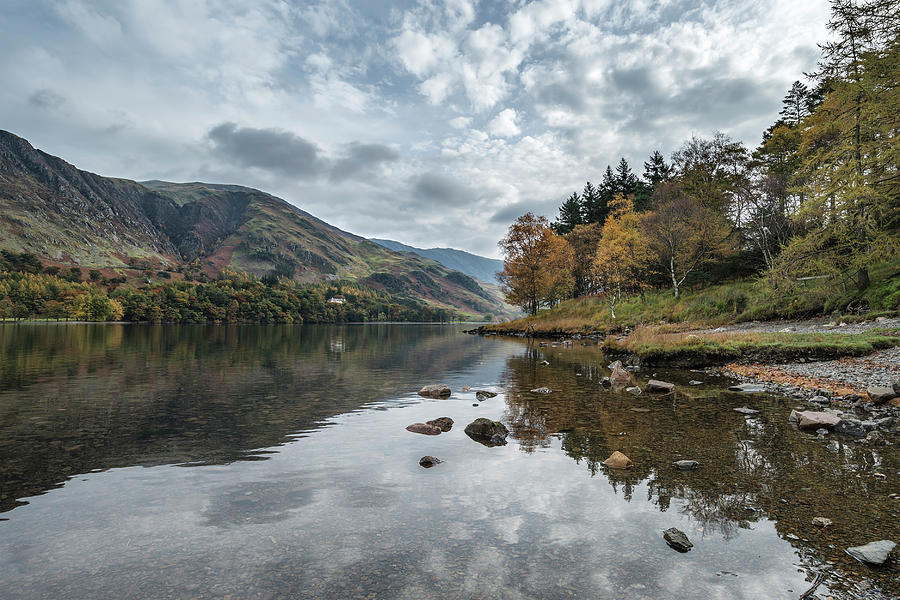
x=621, y=259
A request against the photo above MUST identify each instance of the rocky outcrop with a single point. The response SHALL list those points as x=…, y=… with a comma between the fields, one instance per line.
x=487, y=432
x=677, y=540
x=617, y=460
x=435, y=390
x=424, y=428
x=873, y=553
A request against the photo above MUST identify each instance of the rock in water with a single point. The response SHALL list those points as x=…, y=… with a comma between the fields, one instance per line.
x=659, y=387
x=686, y=465
x=750, y=388
x=429, y=461
x=821, y=522
x=880, y=394
x=852, y=427
x=873, y=553
x=484, y=395
x=620, y=376
x=617, y=460
x=436, y=390
x=744, y=410
x=443, y=423
x=424, y=428
x=811, y=419
x=487, y=432
x=677, y=540
x=633, y=390
x=541, y=390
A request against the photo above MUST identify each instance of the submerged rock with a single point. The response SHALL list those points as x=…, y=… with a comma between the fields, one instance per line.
x=686, y=465
x=443, y=423
x=484, y=395
x=487, y=432
x=659, y=387
x=695, y=382
x=436, y=390
x=746, y=410
x=620, y=376
x=541, y=390
x=617, y=460
x=880, y=394
x=424, y=428
x=677, y=540
x=851, y=427
x=633, y=390
x=820, y=400
x=750, y=388
x=821, y=522
x=873, y=553
x=429, y=461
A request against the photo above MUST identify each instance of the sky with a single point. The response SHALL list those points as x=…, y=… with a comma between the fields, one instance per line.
x=429, y=123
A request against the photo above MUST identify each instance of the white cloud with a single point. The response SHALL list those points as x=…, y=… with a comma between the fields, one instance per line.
x=504, y=124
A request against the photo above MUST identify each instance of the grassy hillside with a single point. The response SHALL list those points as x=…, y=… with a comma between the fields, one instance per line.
x=745, y=300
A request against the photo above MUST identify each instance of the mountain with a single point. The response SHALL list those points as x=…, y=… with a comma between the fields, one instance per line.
x=69, y=217
x=479, y=267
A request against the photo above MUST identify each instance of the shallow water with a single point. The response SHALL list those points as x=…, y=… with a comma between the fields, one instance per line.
x=272, y=462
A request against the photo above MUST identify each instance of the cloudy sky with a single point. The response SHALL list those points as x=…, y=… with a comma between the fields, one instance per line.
x=431, y=123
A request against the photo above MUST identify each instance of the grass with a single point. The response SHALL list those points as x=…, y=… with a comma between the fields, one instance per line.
x=733, y=302
x=655, y=346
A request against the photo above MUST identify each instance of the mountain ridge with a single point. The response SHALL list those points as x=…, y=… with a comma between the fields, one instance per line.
x=66, y=216
x=480, y=267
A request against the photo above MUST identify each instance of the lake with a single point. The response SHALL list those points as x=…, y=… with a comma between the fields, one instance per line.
x=273, y=462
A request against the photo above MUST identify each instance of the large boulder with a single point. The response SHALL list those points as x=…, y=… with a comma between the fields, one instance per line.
x=873, y=553
x=487, y=432
x=811, y=419
x=880, y=394
x=659, y=387
x=617, y=460
x=677, y=540
x=424, y=428
x=435, y=390
x=443, y=423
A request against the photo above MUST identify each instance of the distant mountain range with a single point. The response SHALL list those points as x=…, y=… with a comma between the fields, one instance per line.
x=481, y=268
x=70, y=217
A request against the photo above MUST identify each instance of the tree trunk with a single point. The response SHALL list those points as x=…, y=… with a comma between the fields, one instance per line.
x=862, y=279
x=672, y=273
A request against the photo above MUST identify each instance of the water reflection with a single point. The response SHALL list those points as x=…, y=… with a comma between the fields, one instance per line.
x=340, y=508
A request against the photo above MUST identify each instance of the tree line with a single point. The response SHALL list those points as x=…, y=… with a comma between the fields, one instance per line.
x=819, y=197
x=28, y=290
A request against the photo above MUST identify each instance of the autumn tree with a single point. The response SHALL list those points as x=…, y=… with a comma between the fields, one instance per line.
x=621, y=257
x=683, y=235
x=537, y=266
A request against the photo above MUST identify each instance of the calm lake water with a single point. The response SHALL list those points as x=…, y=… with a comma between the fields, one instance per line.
x=272, y=462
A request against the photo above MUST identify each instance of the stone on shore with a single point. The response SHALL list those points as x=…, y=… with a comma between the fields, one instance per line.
x=811, y=419
x=487, y=432
x=880, y=394
x=659, y=387
x=424, y=428
x=896, y=387
x=873, y=553
x=617, y=460
x=677, y=540
x=443, y=423
x=429, y=461
x=435, y=390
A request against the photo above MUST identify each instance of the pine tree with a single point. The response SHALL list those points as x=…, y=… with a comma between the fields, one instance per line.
x=626, y=182
x=796, y=104
x=656, y=170
x=570, y=215
x=593, y=203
